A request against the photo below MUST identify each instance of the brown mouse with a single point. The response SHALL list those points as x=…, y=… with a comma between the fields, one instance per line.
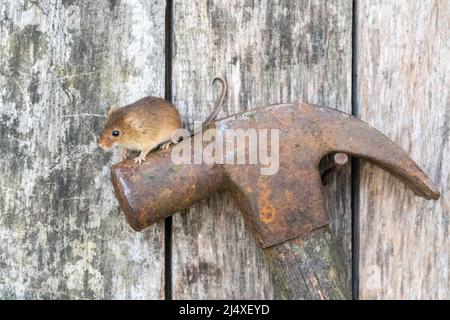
x=146, y=124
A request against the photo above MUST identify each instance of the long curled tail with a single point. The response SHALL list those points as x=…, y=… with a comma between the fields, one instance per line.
x=219, y=102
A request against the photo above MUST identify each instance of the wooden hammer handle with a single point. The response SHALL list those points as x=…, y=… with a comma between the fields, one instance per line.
x=308, y=267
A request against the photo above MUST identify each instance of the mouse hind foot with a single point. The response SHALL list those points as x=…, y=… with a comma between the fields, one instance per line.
x=165, y=145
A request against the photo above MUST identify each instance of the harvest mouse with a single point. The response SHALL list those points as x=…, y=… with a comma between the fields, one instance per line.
x=146, y=124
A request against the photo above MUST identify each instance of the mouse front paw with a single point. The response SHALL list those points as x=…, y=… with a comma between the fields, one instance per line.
x=123, y=155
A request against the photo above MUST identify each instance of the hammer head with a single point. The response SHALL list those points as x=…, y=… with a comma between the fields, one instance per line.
x=157, y=188
x=279, y=205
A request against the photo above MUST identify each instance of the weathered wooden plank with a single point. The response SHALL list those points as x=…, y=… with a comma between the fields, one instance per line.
x=403, y=66
x=62, y=63
x=270, y=52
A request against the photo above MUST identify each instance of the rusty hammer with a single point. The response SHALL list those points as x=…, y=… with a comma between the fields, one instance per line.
x=285, y=211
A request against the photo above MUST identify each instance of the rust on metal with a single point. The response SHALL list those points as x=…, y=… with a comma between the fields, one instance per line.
x=276, y=207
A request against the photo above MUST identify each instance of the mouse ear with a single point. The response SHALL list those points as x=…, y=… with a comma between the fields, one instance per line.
x=112, y=109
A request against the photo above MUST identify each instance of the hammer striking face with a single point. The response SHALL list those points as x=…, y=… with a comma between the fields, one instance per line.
x=276, y=207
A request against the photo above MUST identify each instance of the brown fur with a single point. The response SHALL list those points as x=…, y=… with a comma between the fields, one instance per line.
x=147, y=124
x=143, y=124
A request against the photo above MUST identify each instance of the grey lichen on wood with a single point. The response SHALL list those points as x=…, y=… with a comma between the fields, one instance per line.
x=404, y=81
x=270, y=52
x=62, y=64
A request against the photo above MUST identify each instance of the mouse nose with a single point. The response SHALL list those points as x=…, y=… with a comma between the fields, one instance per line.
x=100, y=143
x=104, y=143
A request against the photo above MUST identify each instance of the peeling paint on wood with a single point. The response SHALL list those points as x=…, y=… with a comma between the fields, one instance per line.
x=62, y=63
x=270, y=52
x=403, y=67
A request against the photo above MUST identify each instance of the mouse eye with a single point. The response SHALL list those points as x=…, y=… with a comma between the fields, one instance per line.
x=115, y=133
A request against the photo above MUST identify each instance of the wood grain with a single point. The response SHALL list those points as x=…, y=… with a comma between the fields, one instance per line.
x=403, y=79
x=308, y=267
x=270, y=52
x=62, y=63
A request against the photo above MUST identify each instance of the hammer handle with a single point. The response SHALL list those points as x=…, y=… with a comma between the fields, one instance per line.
x=308, y=267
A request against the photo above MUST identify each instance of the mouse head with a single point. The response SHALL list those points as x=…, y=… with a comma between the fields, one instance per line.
x=114, y=131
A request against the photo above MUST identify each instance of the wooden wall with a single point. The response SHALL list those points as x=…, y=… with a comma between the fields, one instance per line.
x=63, y=63
x=403, y=90
x=270, y=52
